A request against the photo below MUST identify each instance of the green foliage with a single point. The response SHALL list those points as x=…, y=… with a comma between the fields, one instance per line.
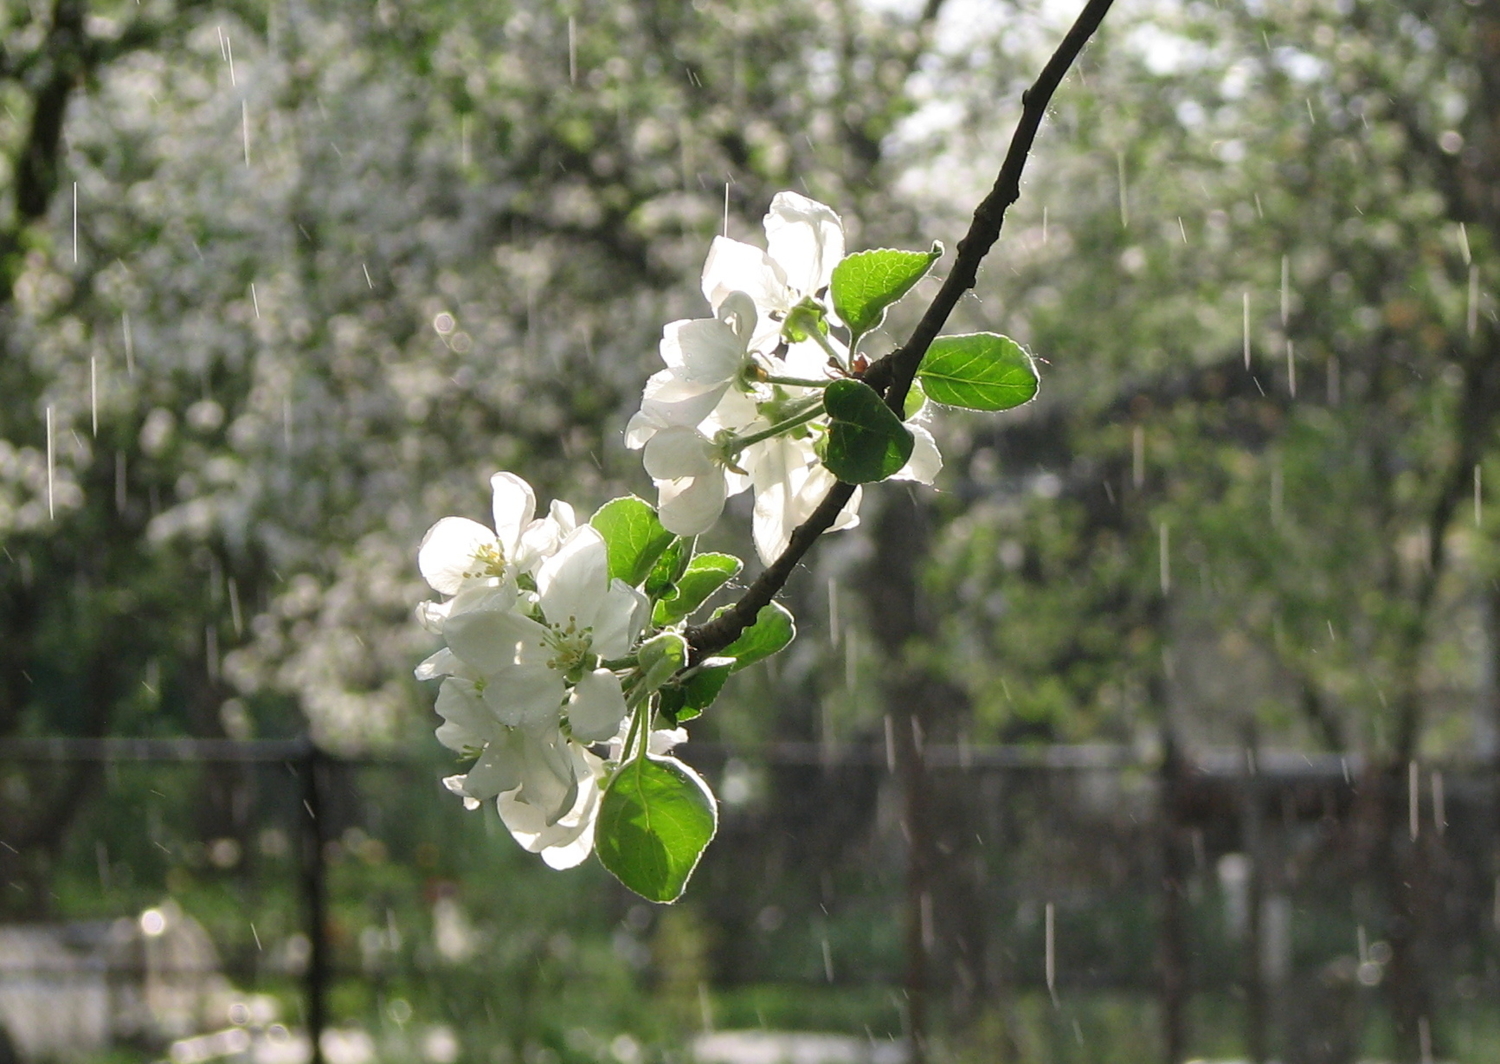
x=772, y=631
x=670, y=566
x=866, y=283
x=655, y=820
x=704, y=575
x=978, y=371
x=866, y=441
x=661, y=657
x=633, y=535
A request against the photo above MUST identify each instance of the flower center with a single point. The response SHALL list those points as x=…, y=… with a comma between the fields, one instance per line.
x=571, y=646
x=489, y=560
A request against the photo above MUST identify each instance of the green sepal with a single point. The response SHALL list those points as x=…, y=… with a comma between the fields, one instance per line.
x=978, y=371
x=866, y=283
x=656, y=818
x=633, y=537
x=705, y=574
x=866, y=441
x=803, y=319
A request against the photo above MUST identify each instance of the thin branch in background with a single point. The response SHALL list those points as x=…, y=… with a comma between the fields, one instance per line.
x=892, y=375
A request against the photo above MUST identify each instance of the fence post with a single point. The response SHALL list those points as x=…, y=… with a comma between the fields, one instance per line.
x=315, y=897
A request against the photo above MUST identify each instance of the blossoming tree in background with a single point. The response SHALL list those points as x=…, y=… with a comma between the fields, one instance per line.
x=571, y=658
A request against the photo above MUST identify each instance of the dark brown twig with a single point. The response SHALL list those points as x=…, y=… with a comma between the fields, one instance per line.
x=893, y=374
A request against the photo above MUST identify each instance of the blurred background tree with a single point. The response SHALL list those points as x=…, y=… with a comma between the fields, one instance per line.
x=282, y=284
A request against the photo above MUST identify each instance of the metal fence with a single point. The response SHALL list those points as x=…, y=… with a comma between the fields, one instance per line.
x=262, y=900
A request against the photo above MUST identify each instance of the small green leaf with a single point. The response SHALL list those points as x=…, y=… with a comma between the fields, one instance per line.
x=806, y=318
x=671, y=564
x=866, y=441
x=704, y=575
x=686, y=699
x=655, y=820
x=773, y=629
x=867, y=282
x=633, y=536
x=659, y=658
x=978, y=371
x=916, y=399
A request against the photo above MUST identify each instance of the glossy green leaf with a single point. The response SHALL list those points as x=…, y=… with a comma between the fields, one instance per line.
x=655, y=820
x=773, y=630
x=633, y=536
x=866, y=441
x=685, y=699
x=704, y=575
x=670, y=564
x=867, y=282
x=978, y=371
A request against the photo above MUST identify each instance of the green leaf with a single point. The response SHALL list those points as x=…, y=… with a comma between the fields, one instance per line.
x=773, y=629
x=867, y=282
x=916, y=399
x=655, y=820
x=686, y=699
x=670, y=565
x=978, y=371
x=633, y=536
x=866, y=441
x=704, y=575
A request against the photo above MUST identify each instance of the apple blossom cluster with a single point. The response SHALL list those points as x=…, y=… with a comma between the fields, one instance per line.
x=740, y=402
x=566, y=672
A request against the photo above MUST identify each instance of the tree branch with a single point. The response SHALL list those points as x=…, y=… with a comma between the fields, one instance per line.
x=893, y=374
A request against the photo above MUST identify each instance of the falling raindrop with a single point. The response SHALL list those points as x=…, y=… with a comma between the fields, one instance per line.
x=1478, y=512
x=1463, y=243
x=234, y=607
x=833, y=612
x=1164, y=559
x=851, y=661
x=255, y=300
x=828, y=957
x=1424, y=1036
x=245, y=127
x=1413, y=800
x=572, y=50
x=1245, y=315
x=369, y=282
x=1181, y=229
x=890, y=745
x=256, y=935
x=1285, y=290
x=1044, y=226
x=1258, y=212
x=1291, y=369
x=129, y=343
x=1124, y=202
x=51, y=512
x=223, y=54
x=1439, y=806
x=1051, y=954
x=463, y=139
x=726, y=210
x=94, y=392
x=75, y=223
x=1473, y=316
x=1138, y=455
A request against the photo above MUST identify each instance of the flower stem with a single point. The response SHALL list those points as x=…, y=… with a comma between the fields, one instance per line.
x=801, y=417
x=797, y=382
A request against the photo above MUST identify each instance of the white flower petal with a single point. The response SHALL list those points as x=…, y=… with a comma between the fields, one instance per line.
x=491, y=640
x=619, y=620
x=498, y=769
x=736, y=267
x=806, y=239
x=679, y=452
x=738, y=312
x=468, y=724
x=708, y=351
x=440, y=663
x=549, y=780
x=597, y=706
x=447, y=555
x=689, y=506
x=526, y=696
x=925, y=462
x=662, y=740
x=572, y=582
x=514, y=506
x=671, y=400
